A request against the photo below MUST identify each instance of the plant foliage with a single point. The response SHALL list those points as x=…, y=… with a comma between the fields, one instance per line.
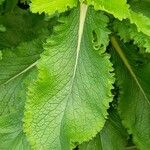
x=74, y=74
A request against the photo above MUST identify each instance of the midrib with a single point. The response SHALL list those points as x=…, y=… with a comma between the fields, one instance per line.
x=83, y=12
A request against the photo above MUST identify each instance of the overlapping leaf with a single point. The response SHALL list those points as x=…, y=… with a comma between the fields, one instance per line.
x=69, y=101
x=133, y=78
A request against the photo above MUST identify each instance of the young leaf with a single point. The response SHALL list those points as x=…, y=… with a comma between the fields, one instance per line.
x=69, y=101
x=129, y=32
x=112, y=137
x=50, y=7
x=133, y=71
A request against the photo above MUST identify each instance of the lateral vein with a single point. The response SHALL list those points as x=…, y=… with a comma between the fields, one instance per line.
x=20, y=73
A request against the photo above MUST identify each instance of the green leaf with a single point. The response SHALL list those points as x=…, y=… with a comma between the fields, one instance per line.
x=129, y=32
x=118, y=8
x=68, y=103
x=112, y=137
x=50, y=7
x=17, y=70
x=133, y=72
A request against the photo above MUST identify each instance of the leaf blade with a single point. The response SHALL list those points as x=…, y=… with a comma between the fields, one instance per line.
x=67, y=103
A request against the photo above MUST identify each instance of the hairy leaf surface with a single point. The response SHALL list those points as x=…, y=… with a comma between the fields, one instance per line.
x=133, y=78
x=69, y=101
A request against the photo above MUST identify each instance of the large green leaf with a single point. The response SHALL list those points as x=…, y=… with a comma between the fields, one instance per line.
x=52, y=6
x=112, y=137
x=133, y=79
x=68, y=103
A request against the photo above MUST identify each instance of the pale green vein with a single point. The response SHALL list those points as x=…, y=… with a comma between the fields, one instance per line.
x=83, y=12
x=125, y=61
x=20, y=73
